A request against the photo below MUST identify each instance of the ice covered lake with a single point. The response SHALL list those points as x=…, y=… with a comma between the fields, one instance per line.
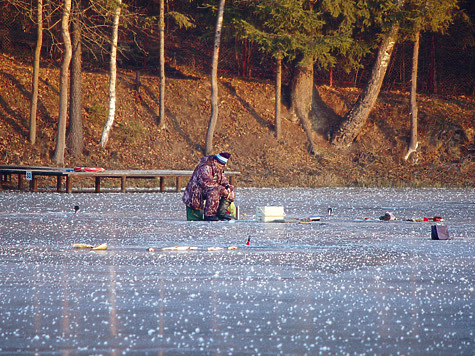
x=348, y=284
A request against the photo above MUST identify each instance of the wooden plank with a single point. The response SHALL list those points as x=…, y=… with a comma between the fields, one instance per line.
x=69, y=184
x=178, y=184
x=20, y=181
x=123, y=181
x=98, y=185
x=111, y=173
x=4, y=179
x=30, y=168
x=59, y=183
x=33, y=184
x=162, y=184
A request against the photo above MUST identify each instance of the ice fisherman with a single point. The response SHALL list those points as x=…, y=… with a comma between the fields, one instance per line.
x=208, y=193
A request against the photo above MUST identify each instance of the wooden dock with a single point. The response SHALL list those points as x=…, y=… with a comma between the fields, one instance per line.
x=32, y=173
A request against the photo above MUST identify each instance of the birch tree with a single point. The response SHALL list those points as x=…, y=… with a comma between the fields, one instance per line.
x=161, y=26
x=423, y=15
x=413, y=143
x=58, y=157
x=214, y=81
x=36, y=71
x=113, y=74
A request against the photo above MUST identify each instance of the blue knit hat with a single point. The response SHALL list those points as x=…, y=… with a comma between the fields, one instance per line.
x=222, y=157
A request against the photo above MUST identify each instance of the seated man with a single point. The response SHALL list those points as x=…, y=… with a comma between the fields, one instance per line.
x=208, y=183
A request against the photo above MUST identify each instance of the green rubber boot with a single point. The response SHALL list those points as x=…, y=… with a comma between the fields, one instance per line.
x=194, y=215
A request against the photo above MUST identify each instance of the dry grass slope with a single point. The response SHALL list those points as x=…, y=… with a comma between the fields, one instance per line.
x=245, y=128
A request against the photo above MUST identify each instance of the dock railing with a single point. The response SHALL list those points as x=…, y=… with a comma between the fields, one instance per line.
x=32, y=173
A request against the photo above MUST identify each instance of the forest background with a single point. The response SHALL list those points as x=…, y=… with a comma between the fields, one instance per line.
x=161, y=117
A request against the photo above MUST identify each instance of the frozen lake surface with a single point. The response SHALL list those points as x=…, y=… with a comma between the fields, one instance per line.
x=349, y=284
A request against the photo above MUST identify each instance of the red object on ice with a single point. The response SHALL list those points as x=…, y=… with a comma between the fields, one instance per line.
x=248, y=240
x=426, y=219
x=89, y=169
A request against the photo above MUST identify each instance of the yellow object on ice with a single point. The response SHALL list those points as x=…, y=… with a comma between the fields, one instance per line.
x=98, y=247
x=215, y=248
x=232, y=210
x=177, y=248
x=101, y=247
x=82, y=246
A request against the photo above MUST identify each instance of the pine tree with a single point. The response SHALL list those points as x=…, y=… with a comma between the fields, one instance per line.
x=306, y=33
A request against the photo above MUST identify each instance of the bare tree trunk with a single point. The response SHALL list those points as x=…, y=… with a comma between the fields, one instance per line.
x=214, y=81
x=161, y=123
x=113, y=75
x=63, y=86
x=36, y=71
x=356, y=118
x=75, y=133
x=278, y=97
x=301, y=99
x=432, y=67
x=413, y=144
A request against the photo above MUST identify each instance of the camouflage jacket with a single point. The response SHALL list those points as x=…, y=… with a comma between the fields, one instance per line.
x=208, y=175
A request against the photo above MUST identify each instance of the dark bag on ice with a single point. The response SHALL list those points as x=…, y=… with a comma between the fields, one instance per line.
x=439, y=232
